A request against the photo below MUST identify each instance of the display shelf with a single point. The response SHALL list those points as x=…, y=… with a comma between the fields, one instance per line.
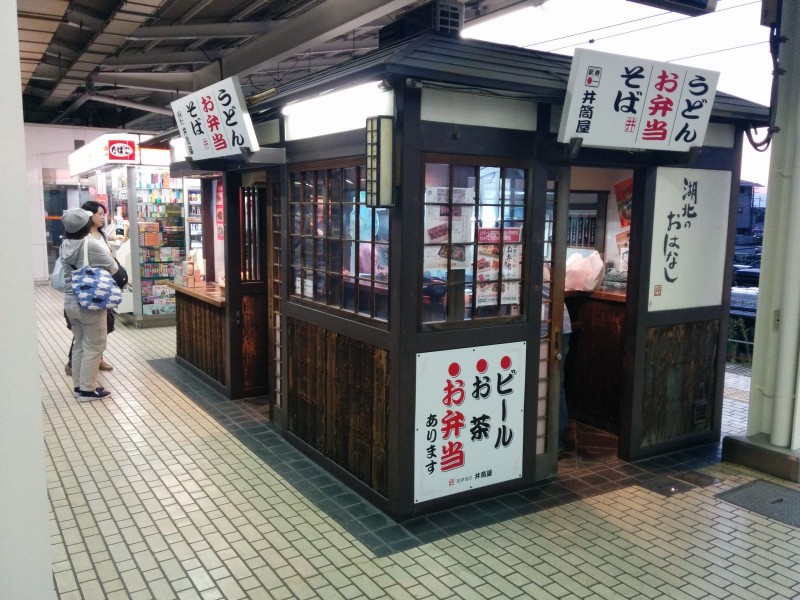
x=162, y=235
x=194, y=219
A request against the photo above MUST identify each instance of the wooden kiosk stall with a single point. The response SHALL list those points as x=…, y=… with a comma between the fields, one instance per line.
x=222, y=321
x=399, y=271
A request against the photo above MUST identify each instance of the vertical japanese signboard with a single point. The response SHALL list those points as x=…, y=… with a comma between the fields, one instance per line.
x=469, y=419
x=690, y=232
x=214, y=121
x=618, y=101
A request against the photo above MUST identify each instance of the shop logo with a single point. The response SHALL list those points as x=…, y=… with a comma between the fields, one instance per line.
x=121, y=150
x=593, y=75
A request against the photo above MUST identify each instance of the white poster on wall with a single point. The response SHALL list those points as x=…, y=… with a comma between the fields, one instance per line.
x=469, y=419
x=690, y=233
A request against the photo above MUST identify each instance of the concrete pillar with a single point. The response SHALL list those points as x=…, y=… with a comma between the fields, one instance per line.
x=773, y=430
x=25, y=566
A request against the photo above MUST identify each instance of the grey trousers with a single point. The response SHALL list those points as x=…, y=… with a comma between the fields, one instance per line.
x=89, y=331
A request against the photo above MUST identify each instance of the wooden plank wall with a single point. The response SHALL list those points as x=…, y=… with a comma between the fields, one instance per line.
x=255, y=342
x=594, y=375
x=680, y=380
x=200, y=330
x=338, y=400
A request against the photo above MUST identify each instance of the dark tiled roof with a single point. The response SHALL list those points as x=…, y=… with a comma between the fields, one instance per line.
x=430, y=56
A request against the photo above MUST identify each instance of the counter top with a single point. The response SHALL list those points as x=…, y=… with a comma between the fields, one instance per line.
x=601, y=293
x=207, y=292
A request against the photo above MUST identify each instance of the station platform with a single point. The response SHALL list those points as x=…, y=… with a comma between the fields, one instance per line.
x=168, y=490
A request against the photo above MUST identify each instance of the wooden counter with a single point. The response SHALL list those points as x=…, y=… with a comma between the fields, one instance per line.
x=601, y=293
x=594, y=369
x=208, y=292
x=201, y=331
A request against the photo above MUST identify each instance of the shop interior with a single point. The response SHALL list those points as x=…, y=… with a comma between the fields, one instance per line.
x=597, y=234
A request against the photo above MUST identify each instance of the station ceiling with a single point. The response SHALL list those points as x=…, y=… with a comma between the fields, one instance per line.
x=119, y=63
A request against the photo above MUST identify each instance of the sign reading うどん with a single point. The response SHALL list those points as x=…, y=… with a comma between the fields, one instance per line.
x=616, y=101
x=214, y=121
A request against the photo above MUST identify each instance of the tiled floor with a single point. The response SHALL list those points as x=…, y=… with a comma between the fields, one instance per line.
x=167, y=491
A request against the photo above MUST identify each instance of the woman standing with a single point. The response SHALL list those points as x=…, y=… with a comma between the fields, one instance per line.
x=98, y=222
x=88, y=326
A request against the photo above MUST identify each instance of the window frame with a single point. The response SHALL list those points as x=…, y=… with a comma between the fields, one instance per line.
x=326, y=238
x=519, y=214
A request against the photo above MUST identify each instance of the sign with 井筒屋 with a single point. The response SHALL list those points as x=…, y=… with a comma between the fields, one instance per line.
x=616, y=101
x=469, y=419
x=690, y=228
x=214, y=121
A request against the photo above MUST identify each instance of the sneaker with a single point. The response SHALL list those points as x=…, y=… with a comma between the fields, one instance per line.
x=95, y=395
x=104, y=366
x=68, y=369
x=77, y=391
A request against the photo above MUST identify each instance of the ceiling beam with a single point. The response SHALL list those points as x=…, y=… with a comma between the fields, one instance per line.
x=326, y=21
x=209, y=30
x=180, y=82
x=129, y=104
x=149, y=59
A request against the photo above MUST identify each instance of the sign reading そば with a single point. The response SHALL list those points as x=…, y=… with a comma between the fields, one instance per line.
x=469, y=419
x=214, y=121
x=616, y=101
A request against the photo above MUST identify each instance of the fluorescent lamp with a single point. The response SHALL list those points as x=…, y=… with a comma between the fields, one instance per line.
x=336, y=111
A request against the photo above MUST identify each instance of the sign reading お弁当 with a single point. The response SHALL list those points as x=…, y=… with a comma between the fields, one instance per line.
x=616, y=101
x=469, y=419
x=214, y=121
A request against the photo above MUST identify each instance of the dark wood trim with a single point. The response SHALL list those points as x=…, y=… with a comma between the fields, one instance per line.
x=209, y=235
x=636, y=313
x=231, y=182
x=405, y=225
x=326, y=148
x=339, y=322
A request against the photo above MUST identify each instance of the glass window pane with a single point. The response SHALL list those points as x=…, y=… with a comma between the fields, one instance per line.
x=434, y=300
x=335, y=290
x=489, y=190
x=473, y=245
x=364, y=222
x=308, y=252
x=349, y=258
x=514, y=188
x=335, y=185
x=437, y=224
x=296, y=250
x=333, y=233
x=382, y=224
x=320, y=287
x=335, y=256
x=349, y=293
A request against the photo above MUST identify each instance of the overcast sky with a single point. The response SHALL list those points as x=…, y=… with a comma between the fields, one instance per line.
x=730, y=40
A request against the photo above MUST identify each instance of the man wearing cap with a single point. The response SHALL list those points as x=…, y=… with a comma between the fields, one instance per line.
x=88, y=326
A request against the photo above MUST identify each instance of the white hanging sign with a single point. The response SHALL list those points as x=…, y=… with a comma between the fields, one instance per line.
x=214, y=121
x=616, y=101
